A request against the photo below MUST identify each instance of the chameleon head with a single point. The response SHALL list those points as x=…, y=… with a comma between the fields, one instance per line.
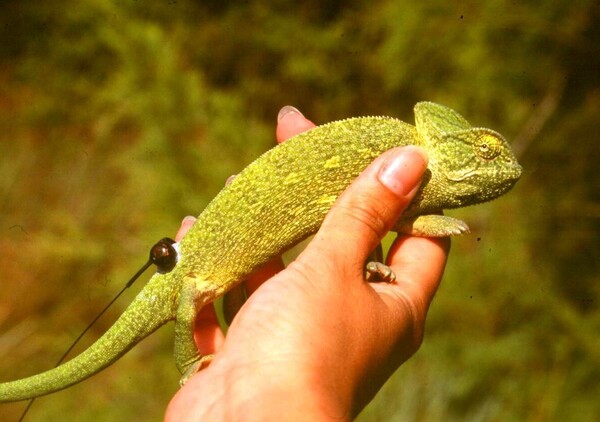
x=467, y=165
x=472, y=166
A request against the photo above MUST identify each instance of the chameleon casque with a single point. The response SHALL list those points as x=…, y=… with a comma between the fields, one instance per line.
x=277, y=201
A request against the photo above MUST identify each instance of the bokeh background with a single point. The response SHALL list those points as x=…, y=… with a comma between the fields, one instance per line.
x=119, y=117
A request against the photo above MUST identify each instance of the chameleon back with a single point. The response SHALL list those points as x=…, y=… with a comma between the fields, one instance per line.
x=283, y=196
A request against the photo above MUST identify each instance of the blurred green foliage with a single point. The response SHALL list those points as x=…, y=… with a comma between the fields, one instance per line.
x=117, y=118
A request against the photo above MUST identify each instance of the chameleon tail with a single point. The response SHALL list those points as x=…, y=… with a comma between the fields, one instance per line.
x=152, y=308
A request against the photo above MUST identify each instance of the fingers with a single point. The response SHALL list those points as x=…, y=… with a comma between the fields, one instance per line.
x=418, y=263
x=263, y=274
x=367, y=210
x=207, y=333
x=290, y=122
x=186, y=225
x=406, y=257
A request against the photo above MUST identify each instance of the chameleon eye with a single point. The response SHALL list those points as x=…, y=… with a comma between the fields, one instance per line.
x=488, y=146
x=164, y=255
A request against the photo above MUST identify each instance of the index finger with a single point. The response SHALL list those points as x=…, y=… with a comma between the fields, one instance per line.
x=406, y=258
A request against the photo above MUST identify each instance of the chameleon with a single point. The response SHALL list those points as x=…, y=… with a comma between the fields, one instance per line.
x=280, y=199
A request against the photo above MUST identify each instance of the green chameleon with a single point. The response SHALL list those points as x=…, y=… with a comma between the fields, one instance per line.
x=279, y=200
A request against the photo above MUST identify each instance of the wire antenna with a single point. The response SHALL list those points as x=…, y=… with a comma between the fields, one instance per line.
x=164, y=255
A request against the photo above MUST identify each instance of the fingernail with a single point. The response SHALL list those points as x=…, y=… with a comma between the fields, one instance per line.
x=190, y=219
x=230, y=179
x=287, y=110
x=402, y=172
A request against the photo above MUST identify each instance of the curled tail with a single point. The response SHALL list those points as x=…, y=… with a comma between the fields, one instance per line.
x=152, y=308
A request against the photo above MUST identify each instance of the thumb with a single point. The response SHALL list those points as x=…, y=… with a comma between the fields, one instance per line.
x=370, y=206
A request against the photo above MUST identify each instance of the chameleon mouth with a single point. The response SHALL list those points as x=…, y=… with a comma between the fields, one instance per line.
x=509, y=173
x=517, y=171
x=462, y=176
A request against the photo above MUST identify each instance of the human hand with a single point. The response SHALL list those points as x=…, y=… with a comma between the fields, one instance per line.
x=316, y=341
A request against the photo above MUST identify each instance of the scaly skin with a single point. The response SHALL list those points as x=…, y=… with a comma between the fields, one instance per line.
x=280, y=199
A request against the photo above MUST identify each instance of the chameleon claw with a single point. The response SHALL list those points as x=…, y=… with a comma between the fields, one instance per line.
x=196, y=367
x=377, y=272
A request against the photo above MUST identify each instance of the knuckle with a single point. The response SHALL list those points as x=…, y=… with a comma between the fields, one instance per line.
x=373, y=218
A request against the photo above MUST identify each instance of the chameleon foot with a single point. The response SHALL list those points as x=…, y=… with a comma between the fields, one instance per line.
x=233, y=300
x=376, y=271
x=196, y=367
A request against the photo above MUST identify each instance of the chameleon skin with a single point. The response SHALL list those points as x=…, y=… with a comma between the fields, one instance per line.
x=277, y=201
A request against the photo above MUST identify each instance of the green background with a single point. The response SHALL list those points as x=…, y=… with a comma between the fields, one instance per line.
x=118, y=118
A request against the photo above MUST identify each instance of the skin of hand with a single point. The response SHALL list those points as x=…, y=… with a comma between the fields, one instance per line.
x=315, y=341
